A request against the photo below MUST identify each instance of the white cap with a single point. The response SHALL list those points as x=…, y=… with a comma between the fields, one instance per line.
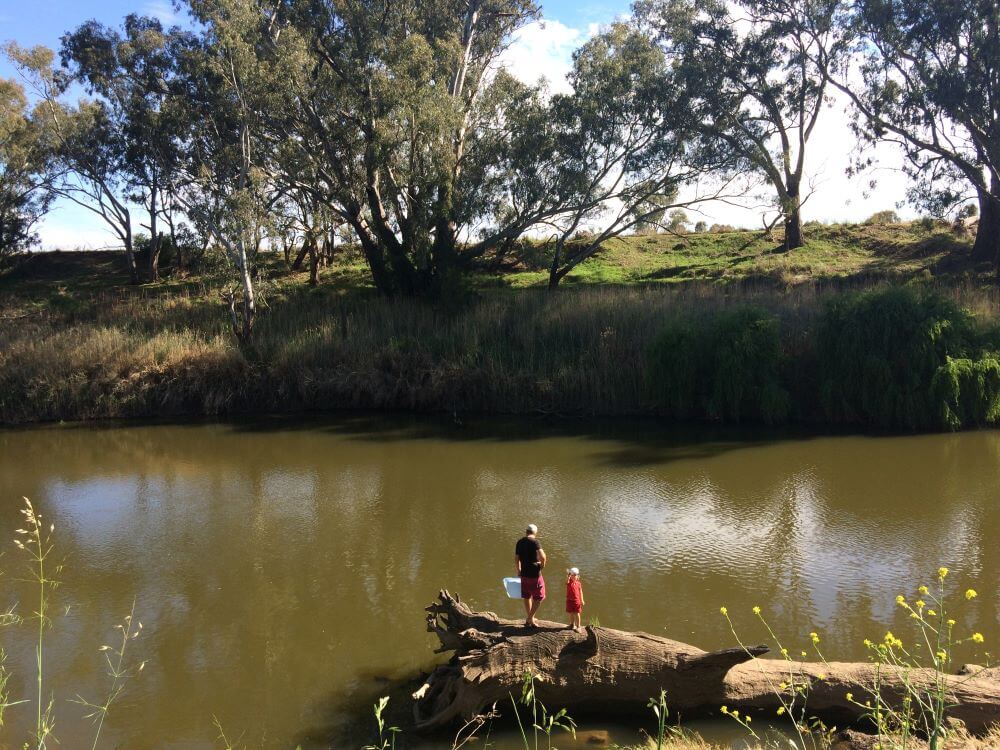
x=574, y=571
x=532, y=529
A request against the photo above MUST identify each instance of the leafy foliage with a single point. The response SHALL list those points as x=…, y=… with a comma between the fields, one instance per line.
x=750, y=69
x=930, y=71
x=726, y=367
x=897, y=359
x=25, y=170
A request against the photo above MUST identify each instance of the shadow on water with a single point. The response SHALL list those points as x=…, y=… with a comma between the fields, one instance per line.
x=626, y=442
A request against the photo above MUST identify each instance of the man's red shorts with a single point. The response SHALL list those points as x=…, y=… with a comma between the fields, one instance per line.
x=533, y=588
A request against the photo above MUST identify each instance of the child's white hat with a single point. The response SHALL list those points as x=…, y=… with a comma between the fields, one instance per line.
x=574, y=571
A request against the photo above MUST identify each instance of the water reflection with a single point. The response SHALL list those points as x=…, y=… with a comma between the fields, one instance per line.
x=281, y=568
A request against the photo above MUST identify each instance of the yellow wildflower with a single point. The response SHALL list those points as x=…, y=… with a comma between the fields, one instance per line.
x=783, y=686
x=781, y=710
x=850, y=696
x=747, y=717
x=923, y=591
x=978, y=637
x=821, y=676
x=942, y=572
x=814, y=637
x=724, y=710
x=941, y=655
x=951, y=623
x=931, y=613
x=900, y=600
x=784, y=652
x=971, y=594
x=724, y=611
x=919, y=603
x=756, y=610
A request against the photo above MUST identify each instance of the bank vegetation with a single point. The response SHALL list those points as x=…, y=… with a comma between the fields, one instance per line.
x=876, y=340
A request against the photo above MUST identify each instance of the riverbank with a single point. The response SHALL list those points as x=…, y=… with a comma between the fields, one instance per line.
x=909, y=351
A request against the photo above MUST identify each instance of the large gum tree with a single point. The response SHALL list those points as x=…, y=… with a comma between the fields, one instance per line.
x=625, y=147
x=131, y=71
x=929, y=80
x=409, y=122
x=753, y=82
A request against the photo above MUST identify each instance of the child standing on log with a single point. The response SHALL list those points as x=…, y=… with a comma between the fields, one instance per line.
x=574, y=598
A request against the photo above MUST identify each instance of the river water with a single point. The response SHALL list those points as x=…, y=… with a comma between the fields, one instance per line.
x=280, y=568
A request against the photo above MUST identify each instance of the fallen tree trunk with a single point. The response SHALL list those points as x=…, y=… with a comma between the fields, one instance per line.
x=614, y=672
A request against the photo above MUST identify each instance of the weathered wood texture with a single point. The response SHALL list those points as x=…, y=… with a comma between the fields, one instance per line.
x=611, y=672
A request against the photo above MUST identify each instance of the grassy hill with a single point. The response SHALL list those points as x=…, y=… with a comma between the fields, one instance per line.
x=847, y=253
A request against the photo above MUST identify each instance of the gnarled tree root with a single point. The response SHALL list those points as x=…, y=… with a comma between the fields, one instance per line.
x=614, y=672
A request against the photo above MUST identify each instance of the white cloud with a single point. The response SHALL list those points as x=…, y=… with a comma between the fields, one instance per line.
x=163, y=11
x=544, y=50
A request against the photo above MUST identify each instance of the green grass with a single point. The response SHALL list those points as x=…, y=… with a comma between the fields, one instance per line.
x=832, y=252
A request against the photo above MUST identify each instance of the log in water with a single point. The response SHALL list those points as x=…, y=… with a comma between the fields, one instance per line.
x=610, y=672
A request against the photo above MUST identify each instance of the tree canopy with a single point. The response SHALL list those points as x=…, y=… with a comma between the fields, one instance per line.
x=395, y=126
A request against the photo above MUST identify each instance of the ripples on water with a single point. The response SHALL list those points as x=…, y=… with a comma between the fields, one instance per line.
x=281, y=569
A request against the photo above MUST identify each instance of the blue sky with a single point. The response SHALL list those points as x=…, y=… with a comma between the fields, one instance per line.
x=541, y=50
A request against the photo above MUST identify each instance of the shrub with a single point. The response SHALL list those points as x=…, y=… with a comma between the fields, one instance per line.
x=880, y=354
x=883, y=217
x=968, y=391
x=726, y=367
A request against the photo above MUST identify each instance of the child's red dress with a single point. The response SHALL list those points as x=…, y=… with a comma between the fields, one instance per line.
x=574, y=596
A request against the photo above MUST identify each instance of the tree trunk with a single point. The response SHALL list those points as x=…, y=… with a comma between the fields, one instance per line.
x=554, y=275
x=155, y=243
x=987, y=245
x=179, y=261
x=313, y=261
x=613, y=672
x=243, y=318
x=153, y=266
x=793, y=217
x=300, y=256
x=130, y=264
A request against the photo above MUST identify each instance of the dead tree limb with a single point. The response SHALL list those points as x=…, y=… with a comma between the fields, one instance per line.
x=614, y=672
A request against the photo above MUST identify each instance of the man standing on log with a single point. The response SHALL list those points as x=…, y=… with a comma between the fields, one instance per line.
x=529, y=559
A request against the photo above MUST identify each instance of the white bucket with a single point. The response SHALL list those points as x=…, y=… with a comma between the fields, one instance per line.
x=513, y=587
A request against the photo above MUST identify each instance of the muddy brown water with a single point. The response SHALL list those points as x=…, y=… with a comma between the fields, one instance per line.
x=280, y=567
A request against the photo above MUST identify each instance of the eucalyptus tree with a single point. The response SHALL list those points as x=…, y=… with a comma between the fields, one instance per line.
x=87, y=146
x=225, y=180
x=410, y=127
x=929, y=80
x=26, y=170
x=753, y=80
x=132, y=74
x=628, y=151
